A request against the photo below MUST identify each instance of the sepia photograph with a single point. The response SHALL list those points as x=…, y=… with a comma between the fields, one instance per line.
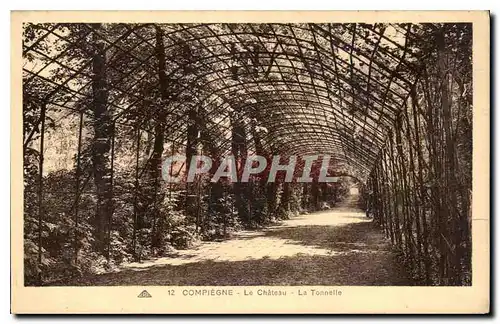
x=224, y=159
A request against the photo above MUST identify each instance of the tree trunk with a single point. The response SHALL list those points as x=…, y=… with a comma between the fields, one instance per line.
x=239, y=150
x=159, y=141
x=191, y=151
x=102, y=144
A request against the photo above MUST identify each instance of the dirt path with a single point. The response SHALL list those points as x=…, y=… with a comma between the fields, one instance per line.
x=335, y=247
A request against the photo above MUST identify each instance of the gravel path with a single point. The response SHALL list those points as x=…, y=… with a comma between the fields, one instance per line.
x=335, y=247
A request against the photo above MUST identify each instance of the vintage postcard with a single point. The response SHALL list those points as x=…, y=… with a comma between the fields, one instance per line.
x=250, y=162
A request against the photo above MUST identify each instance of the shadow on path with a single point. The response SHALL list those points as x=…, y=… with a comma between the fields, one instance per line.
x=358, y=255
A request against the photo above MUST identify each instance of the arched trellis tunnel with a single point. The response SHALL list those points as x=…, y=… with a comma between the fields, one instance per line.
x=104, y=104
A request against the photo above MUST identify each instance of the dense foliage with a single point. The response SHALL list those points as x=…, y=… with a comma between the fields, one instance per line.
x=421, y=191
